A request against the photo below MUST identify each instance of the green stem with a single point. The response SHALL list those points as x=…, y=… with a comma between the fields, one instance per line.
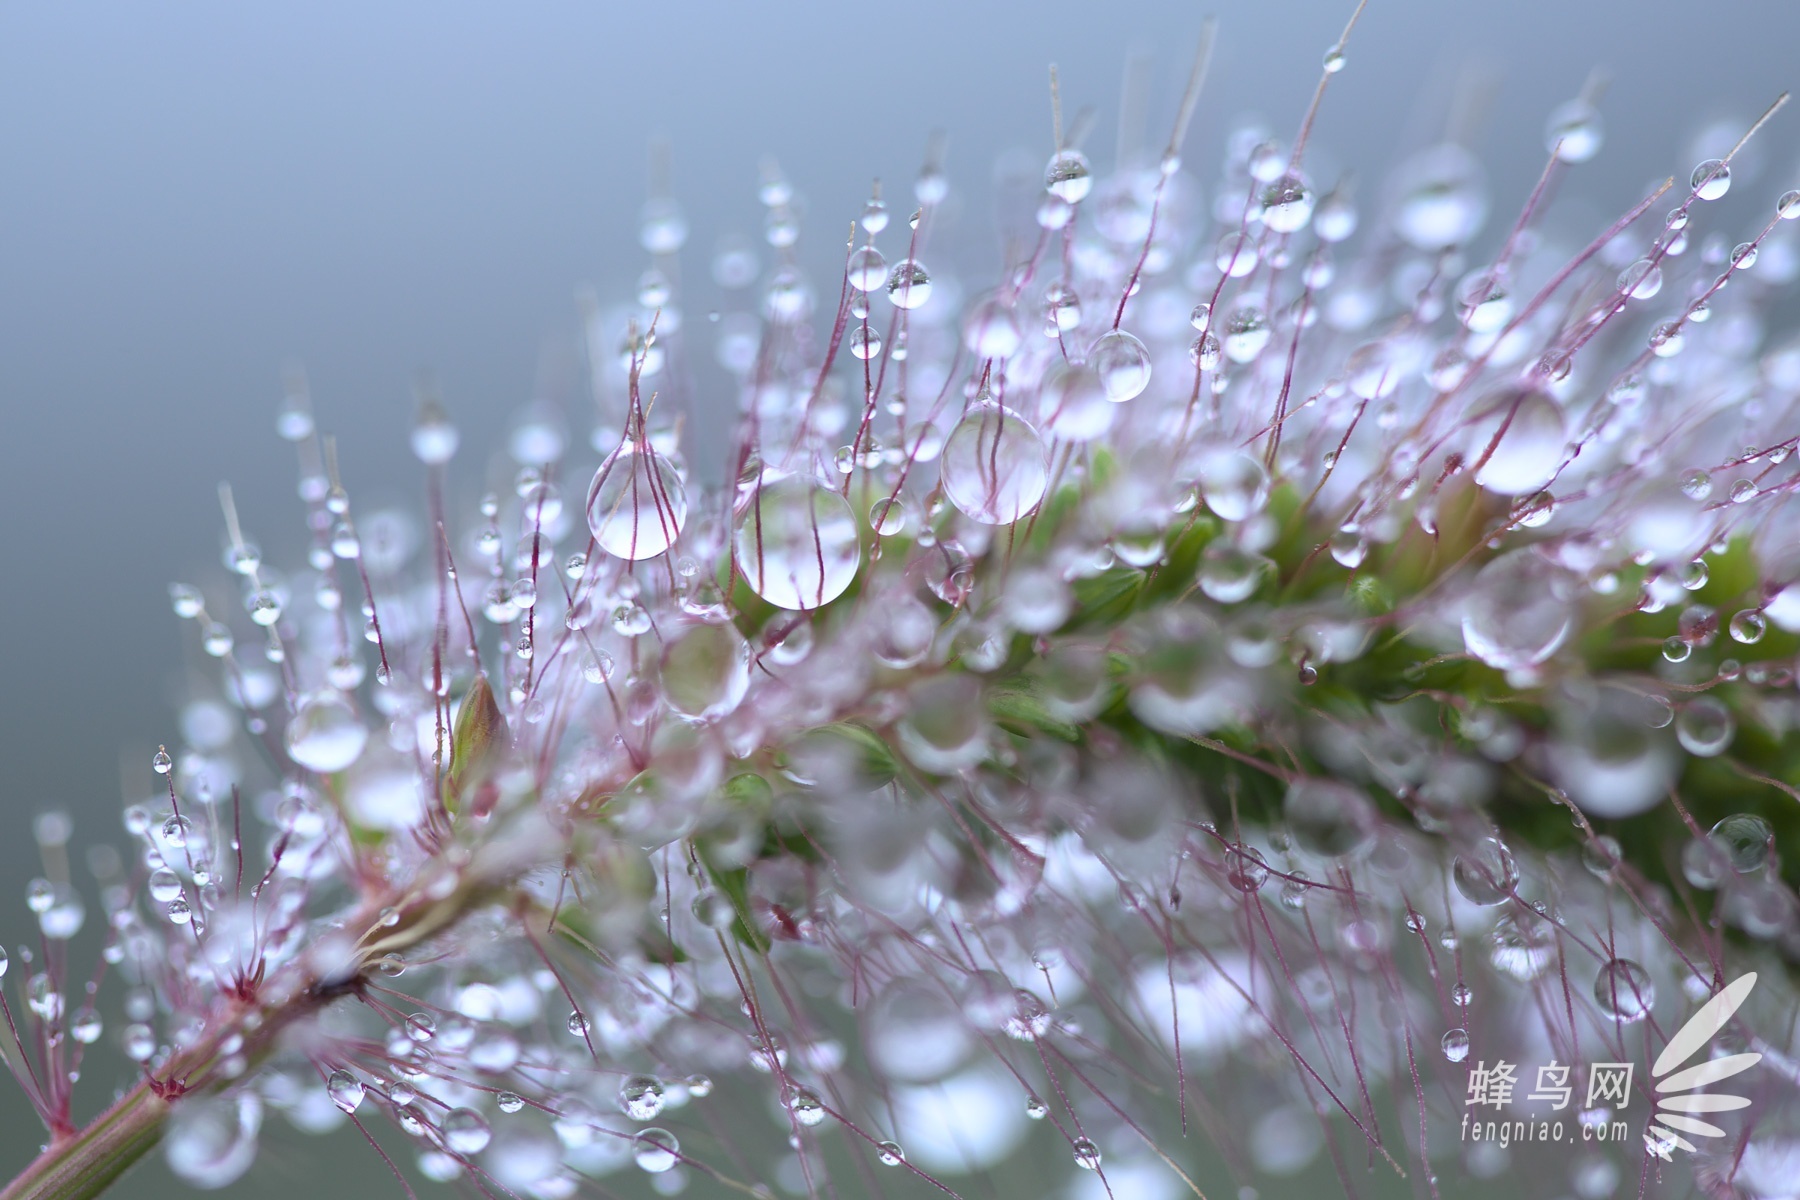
x=86, y=1163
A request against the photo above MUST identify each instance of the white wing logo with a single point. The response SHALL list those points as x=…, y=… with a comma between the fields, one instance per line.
x=1678, y=1096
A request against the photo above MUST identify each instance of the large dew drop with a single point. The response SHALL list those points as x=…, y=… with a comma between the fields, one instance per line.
x=994, y=466
x=705, y=670
x=1233, y=484
x=637, y=503
x=796, y=542
x=1624, y=991
x=1446, y=201
x=1519, y=612
x=325, y=735
x=1122, y=363
x=1516, y=440
x=1073, y=403
x=211, y=1140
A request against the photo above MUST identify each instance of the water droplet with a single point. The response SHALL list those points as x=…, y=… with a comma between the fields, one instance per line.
x=1068, y=177
x=346, y=1090
x=1122, y=364
x=641, y=1097
x=1641, y=280
x=1445, y=202
x=655, y=1150
x=1624, y=991
x=1245, y=869
x=160, y=762
x=577, y=1023
x=1705, y=727
x=86, y=1026
x=1748, y=626
x=1519, y=611
x=796, y=542
x=890, y=1154
x=1515, y=441
x=325, y=734
x=465, y=1131
x=908, y=285
x=1601, y=856
x=1711, y=179
x=1574, y=132
x=637, y=503
x=865, y=342
x=1287, y=204
x=1234, y=485
x=994, y=467
x=1036, y=1109
x=1488, y=874
x=1746, y=840
x=1328, y=818
x=210, y=1141
x=1087, y=1154
x=867, y=268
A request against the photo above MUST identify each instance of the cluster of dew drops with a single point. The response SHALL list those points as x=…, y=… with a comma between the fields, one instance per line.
x=1215, y=346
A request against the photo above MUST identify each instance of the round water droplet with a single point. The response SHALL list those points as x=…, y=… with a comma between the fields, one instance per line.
x=994, y=467
x=641, y=1097
x=1445, y=198
x=867, y=268
x=1705, y=727
x=887, y=516
x=1515, y=441
x=1519, y=611
x=210, y=1141
x=1746, y=840
x=325, y=734
x=1122, y=364
x=1624, y=991
x=1455, y=1045
x=1601, y=855
x=1073, y=403
x=1068, y=177
x=1486, y=875
x=796, y=542
x=509, y=1102
x=1328, y=818
x=637, y=504
x=346, y=1090
x=865, y=342
x=1234, y=485
x=465, y=1131
x=1287, y=204
x=1711, y=179
x=1748, y=626
x=1087, y=1154
x=655, y=1150
x=1245, y=869
x=1642, y=280
x=890, y=1154
x=908, y=285
x=1574, y=132
x=577, y=1023
x=705, y=669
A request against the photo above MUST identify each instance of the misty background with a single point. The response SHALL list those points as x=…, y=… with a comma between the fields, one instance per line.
x=192, y=195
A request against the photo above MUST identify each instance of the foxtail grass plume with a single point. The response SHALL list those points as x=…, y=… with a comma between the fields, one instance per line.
x=1177, y=716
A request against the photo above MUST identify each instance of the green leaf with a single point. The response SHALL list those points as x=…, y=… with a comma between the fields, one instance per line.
x=1021, y=711
x=476, y=744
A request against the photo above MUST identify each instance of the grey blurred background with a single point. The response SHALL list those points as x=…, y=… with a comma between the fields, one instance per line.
x=192, y=194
